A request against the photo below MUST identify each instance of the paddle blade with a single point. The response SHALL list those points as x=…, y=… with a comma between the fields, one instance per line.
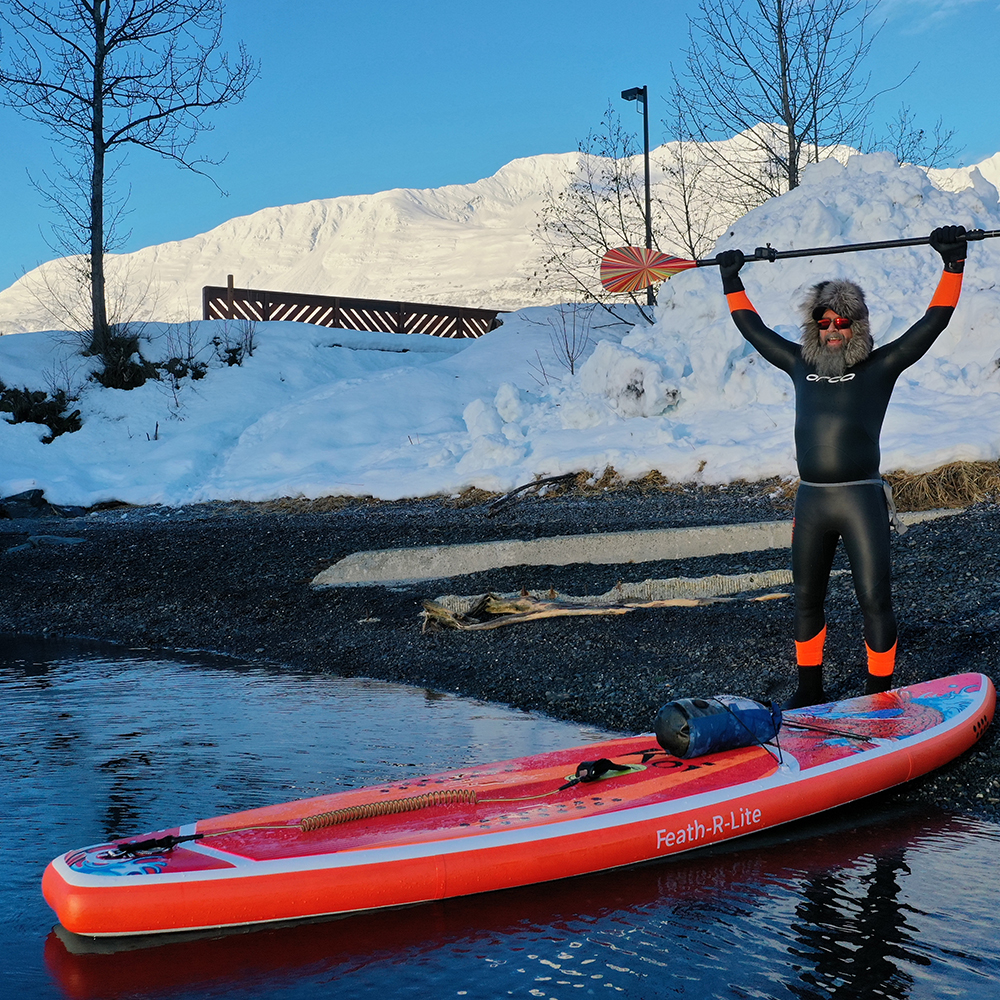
x=627, y=269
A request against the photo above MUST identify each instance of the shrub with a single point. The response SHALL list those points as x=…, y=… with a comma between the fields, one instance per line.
x=236, y=343
x=123, y=366
x=178, y=368
x=38, y=407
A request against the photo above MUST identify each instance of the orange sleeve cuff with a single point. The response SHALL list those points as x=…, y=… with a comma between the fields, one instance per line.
x=948, y=290
x=739, y=300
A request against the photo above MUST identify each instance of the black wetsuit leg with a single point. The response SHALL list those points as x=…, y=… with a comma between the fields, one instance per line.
x=858, y=514
x=814, y=542
x=868, y=545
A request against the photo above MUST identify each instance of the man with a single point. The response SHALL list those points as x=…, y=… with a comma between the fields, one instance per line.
x=842, y=389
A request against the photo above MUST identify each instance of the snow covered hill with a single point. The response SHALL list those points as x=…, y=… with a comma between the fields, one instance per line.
x=959, y=178
x=466, y=245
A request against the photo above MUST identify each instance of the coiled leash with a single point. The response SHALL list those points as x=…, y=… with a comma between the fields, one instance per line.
x=388, y=807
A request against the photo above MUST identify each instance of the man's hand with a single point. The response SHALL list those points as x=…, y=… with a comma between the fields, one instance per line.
x=951, y=243
x=730, y=262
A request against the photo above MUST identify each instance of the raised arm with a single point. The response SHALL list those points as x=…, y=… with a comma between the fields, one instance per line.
x=951, y=243
x=772, y=347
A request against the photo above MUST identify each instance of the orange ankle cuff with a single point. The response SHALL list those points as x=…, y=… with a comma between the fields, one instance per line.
x=881, y=664
x=810, y=652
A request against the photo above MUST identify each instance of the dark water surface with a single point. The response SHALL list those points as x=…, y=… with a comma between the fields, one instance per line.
x=870, y=901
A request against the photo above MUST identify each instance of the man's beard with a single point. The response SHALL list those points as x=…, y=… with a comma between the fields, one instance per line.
x=834, y=363
x=831, y=363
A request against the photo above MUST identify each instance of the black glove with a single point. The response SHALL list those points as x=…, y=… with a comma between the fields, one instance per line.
x=730, y=262
x=951, y=243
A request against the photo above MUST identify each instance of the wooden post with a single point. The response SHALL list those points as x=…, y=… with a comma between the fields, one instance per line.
x=229, y=297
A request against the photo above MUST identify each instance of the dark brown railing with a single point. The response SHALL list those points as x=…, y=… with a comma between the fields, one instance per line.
x=375, y=315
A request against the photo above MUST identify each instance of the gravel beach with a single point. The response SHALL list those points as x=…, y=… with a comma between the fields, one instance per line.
x=234, y=578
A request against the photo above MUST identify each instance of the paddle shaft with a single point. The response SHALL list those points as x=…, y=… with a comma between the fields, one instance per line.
x=769, y=253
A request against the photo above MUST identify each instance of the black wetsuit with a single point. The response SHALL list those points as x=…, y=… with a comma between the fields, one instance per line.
x=838, y=421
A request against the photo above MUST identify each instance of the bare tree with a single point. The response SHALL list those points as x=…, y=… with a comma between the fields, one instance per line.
x=570, y=334
x=785, y=77
x=911, y=144
x=602, y=206
x=699, y=204
x=106, y=76
x=771, y=86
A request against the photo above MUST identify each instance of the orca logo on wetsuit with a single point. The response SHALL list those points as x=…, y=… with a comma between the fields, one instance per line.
x=830, y=378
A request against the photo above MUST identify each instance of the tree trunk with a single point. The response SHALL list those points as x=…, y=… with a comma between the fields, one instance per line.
x=99, y=311
x=785, y=69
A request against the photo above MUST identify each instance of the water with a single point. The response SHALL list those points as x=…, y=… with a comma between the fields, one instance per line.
x=870, y=901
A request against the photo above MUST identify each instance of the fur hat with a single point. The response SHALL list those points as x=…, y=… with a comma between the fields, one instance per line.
x=846, y=299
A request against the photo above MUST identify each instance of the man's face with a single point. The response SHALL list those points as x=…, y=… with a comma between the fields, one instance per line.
x=834, y=339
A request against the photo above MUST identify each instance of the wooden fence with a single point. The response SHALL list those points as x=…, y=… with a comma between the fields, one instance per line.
x=375, y=315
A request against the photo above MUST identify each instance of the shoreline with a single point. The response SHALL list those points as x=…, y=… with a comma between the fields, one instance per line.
x=235, y=579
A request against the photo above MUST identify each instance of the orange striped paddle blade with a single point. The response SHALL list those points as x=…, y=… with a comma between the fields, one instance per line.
x=628, y=269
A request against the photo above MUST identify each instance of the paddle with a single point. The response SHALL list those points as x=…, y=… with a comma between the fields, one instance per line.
x=628, y=269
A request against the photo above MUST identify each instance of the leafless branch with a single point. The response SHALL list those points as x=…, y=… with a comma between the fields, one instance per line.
x=786, y=76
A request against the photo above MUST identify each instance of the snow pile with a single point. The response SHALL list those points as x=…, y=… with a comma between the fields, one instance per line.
x=315, y=412
x=943, y=408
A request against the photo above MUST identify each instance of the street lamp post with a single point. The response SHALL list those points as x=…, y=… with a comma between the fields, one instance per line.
x=641, y=94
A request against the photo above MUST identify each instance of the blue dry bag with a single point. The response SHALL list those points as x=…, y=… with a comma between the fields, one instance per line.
x=693, y=727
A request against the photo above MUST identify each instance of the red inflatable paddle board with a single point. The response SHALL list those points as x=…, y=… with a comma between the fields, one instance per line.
x=495, y=826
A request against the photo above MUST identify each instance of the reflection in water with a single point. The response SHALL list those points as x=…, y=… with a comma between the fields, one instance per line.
x=863, y=902
x=852, y=940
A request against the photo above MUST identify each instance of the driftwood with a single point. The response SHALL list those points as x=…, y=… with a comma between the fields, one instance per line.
x=487, y=611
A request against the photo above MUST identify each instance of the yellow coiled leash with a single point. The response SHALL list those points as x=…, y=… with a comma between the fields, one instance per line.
x=388, y=807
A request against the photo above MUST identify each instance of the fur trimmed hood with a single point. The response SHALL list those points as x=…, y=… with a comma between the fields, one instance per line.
x=846, y=299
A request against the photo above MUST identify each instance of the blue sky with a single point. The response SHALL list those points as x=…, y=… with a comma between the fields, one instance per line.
x=355, y=98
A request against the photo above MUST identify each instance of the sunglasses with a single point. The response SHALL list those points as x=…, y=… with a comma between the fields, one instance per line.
x=841, y=323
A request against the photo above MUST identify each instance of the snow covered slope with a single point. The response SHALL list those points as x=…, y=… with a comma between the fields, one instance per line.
x=466, y=245
x=959, y=178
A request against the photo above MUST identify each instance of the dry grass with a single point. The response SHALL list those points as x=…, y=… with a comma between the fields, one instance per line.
x=291, y=505
x=958, y=484
x=471, y=497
